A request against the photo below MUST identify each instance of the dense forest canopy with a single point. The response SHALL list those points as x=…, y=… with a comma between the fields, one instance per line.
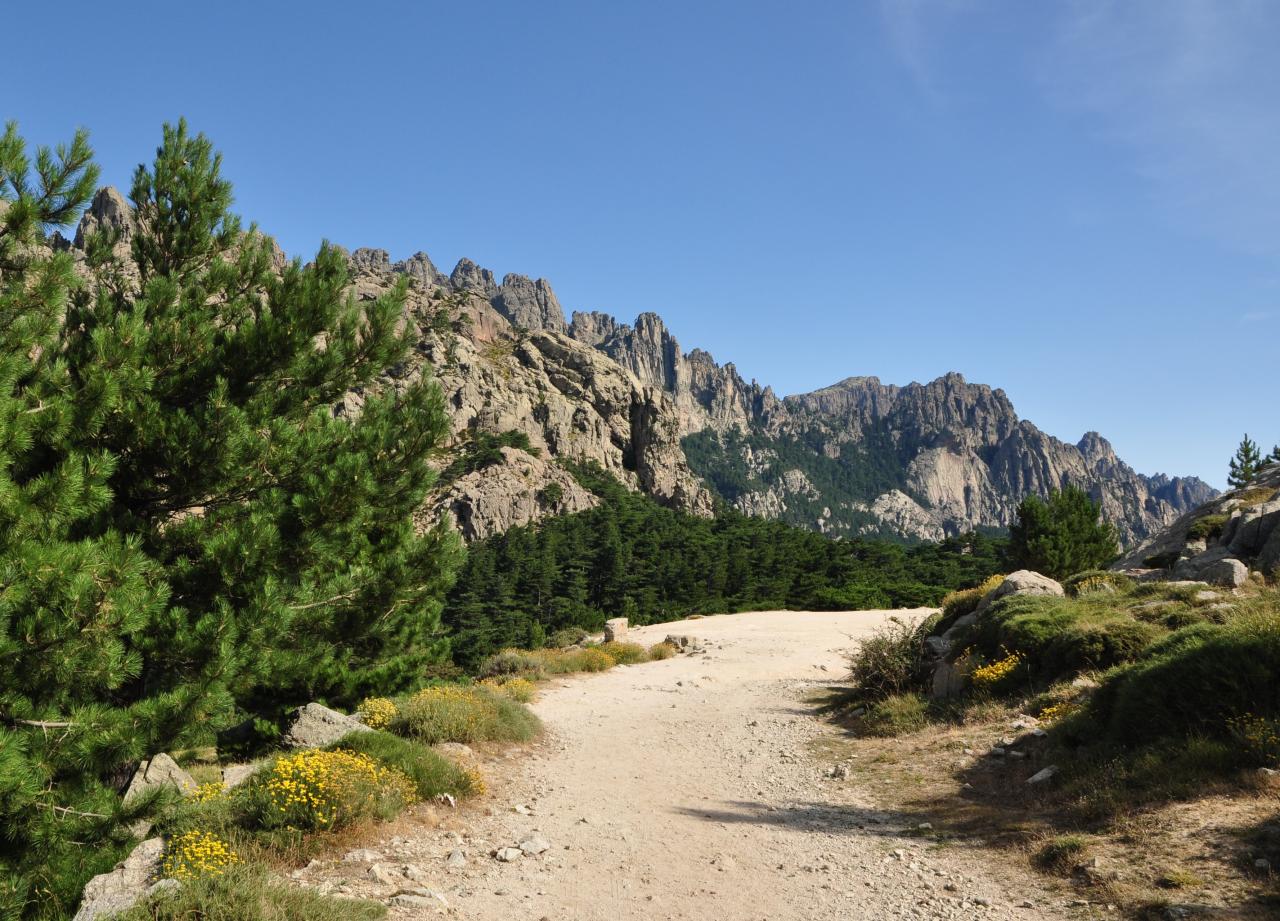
x=631, y=557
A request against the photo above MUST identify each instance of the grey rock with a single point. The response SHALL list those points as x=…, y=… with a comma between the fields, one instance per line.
x=456, y=859
x=508, y=854
x=159, y=771
x=615, y=629
x=530, y=304
x=948, y=680
x=125, y=886
x=1215, y=568
x=1044, y=775
x=315, y=726
x=1022, y=582
x=233, y=775
x=534, y=846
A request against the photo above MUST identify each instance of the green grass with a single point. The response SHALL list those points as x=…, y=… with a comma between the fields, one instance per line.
x=895, y=715
x=249, y=894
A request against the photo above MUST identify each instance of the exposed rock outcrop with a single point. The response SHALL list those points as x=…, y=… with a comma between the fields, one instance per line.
x=1220, y=540
x=858, y=457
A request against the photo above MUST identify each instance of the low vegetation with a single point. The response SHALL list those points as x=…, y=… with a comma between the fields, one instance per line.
x=1141, y=695
x=249, y=894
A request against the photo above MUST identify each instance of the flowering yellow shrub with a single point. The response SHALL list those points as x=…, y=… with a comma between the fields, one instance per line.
x=208, y=791
x=624, y=653
x=475, y=781
x=377, y=712
x=1056, y=712
x=1259, y=735
x=194, y=854
x=594, y=659
x=518, y=689
x=314, y=789
x=986, y=677
x=990, y=584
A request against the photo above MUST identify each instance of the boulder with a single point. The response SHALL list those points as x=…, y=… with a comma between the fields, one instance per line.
x=1022, y=582
x=315, y=726
x=1216, y=567
x=233, y=775
x=948, y=680
x=129, y=883
x=159, y=771
x=615, y=629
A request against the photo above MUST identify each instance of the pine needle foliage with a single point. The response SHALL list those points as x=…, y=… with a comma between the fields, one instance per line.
x=190, y=531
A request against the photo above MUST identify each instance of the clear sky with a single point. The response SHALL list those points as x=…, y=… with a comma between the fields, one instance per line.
x=1078, y=202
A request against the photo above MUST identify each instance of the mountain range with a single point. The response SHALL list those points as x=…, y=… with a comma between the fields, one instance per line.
x=531, y=394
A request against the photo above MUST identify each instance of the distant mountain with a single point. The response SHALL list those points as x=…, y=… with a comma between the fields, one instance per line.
x=531, y=395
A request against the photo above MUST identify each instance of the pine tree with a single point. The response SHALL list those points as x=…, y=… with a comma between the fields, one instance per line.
x=1245, y=465
x=1274, y=456
x=75, y=597
x=285, y=528
x=189, y=532
x=1061, y=536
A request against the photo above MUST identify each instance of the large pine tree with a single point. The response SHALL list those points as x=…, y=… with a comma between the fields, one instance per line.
x=191, y=533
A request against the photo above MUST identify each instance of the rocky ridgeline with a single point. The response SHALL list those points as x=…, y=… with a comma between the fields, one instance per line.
x=1221, y=541
x=623, y=396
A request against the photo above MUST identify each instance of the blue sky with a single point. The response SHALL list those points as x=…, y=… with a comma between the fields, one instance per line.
x=1078, y=202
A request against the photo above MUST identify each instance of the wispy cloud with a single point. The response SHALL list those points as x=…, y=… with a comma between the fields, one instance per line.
x=1187, y=90
x=1189, y=87
x=1257, y=316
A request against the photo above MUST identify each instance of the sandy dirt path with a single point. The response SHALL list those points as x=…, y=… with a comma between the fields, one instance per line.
x=684, y=789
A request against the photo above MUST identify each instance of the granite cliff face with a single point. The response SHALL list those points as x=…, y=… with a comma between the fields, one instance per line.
x=858, y=457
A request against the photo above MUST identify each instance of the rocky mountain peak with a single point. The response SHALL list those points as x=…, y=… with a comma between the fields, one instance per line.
x=109, y=210
x=529, y=304
x=479, y=281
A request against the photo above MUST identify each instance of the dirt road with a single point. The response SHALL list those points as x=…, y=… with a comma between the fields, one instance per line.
x=684, y=789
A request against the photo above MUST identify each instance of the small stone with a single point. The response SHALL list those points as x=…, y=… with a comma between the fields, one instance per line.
x=1262, y=864
x=362, y=855
x=523, y=810
x=508, y=854
x=1043, y=775
x=456, y=858
x=388, y=876
x=534, y=846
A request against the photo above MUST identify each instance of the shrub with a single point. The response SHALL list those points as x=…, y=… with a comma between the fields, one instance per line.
x=194, y=854
x=248, y=894
x=452, y=713
x=959, y=603
x=895, y=715
x=625, y=653
x=660, y=651
x=1061, y=854
x=888, y=662
x=991, y=677
x=518, y=689
x=1208, y=527
x=1097, y=580
x=567, y=636
x=377, y=712
x=1258, y=736
x=1062, y=534
x=1058, y=637
x=1193, y=683
x=591, y=659
x=319, y=790
x=430, y=772
x=513, y=662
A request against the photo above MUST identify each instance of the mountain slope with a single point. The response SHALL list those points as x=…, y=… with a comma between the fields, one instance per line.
x=859, y=457
x=529, y=392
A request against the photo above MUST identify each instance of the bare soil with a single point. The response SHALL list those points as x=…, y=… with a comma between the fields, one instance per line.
x=695, y=788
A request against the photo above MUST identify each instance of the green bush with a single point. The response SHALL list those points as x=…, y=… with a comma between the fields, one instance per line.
x=1062, y=854
x=888, y=662
x=1208, y=527
x=567, y=636
x=249, y=894
x=895, y=715
x=1058, y=637
x=431, y=773
x=1193, y=683
x=511, y=662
